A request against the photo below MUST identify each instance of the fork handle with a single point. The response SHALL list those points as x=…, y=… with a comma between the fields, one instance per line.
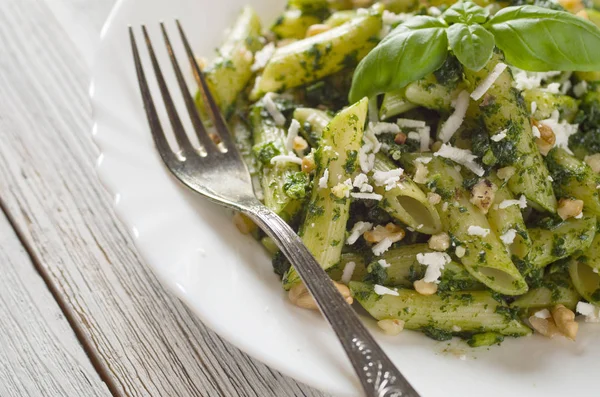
x=376, y=372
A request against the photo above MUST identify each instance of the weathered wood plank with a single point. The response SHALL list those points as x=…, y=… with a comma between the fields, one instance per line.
x=39, y=353
x=145, y=341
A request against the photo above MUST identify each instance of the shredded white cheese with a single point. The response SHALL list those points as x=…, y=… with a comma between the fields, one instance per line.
x=435, y=262
x=410, y=123
x=579, y=216
x=553, y=88
x=424, y=138
x=566, y=86
x=383, y=263
x=366, y=160
x=362, y=183
x=415, y=136
x=291, y=135
x=424, y=160
x=357, y=230
x=499, y=136
x=461, y=156
x=477, y=231
x=591, y=312
x=544, y=314
x=367, y=196
x=271, y=107
x=282, y=158
x=421, y=173
x=509, y=237
x=389, y=179
x=580, y=88
x=533, y=107
x=456, y=119
x=536, y=132
x=381, y=290
x=521, y=202
x=562, y=130
x=384, y=128
x=490, y=79
x=262, y=57
x=348, y=272
x=382, y=246
x=324, y=179
x=530, y=80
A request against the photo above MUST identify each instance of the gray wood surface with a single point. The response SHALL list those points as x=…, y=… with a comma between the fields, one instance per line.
x=141, y=340
x=40, y=354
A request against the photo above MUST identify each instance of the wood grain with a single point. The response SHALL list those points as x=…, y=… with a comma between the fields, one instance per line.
x=142, y=340
x=40, y=355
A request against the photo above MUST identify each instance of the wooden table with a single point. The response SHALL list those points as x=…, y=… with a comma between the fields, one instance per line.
x=80, y=314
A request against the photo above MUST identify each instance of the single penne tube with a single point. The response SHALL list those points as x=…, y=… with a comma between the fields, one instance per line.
x=452, y=313
x=324, y=226
x=401, y=269
x=433, y=93
x=561, y=241
x=503, y=112
x=231, y=71
x=507, y=221
x=269, y=141
x=406, y=202
x=483, y=254
x=313, y=58
x=574, y=178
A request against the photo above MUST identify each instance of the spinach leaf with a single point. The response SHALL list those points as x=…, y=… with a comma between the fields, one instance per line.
x=540, y=39
x=410, y=52
x=472, y=45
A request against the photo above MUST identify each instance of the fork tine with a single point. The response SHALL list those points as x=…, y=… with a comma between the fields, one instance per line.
x=182, y=139
x=155, y=127
x=220, y=124
x=189, y=101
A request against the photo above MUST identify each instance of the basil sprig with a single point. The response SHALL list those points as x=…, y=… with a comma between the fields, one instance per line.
x=532, y=38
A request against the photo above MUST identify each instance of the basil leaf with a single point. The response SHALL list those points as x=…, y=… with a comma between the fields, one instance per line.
x=539, y=39
x=410, y=52
x=466, y=12
x=472, y=45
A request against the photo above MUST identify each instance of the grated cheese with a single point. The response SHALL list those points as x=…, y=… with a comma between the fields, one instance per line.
x=366, y=160
x=552, y=88
x=271, y=107
x=367, y=196
x=533, y=107
x=415, y=136
x=499, y=136
x=462, y=157
x=566, y=86
x=410, y=123
x=456, y=119
x=435, y=262
x=282, y=158
x=579, y=216
x=362, y=183
x=530, y=80
x=357, y=230
x=291, y=135
x=389, y=179
x=324, y=179
x=591, y=312
x=421, y=173
x=580, y=88
x=381, y=290
x=509, y=237
x=348, y=272
x=383, y=263
x=536, y=132
x=262, y=57
x=477, y=231
x=544, y=314
x=384, y=128
x=562, y=130
x=521, y=202
x=382, y=246
x=424, y=137
x=424, y=160
x=490, y=79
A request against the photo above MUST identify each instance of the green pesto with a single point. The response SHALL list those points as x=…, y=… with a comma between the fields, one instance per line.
x=437, y=313
x=296, y=185
x=485, y=339
x=324, y=226
x=518, y=148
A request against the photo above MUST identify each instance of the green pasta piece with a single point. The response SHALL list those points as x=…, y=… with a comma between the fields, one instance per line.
x=395, y=103
x=546, y=103
x=485, y=257
x=324, y=226
x=555, y=289
x=313, y=58
x=472, y=311
x=407, y=202
x=503, y=220
x=503, y=110
x=430, y=93
x=584, y=270
x=404, y=269
x=231, y=71
x=269, y=141
x=574, y=178
x=570, y=236
x=292, y=24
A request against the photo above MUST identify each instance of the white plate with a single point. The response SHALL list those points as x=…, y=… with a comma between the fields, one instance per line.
x=226, y=278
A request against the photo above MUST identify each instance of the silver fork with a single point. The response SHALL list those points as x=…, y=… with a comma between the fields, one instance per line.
x=219, y=174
